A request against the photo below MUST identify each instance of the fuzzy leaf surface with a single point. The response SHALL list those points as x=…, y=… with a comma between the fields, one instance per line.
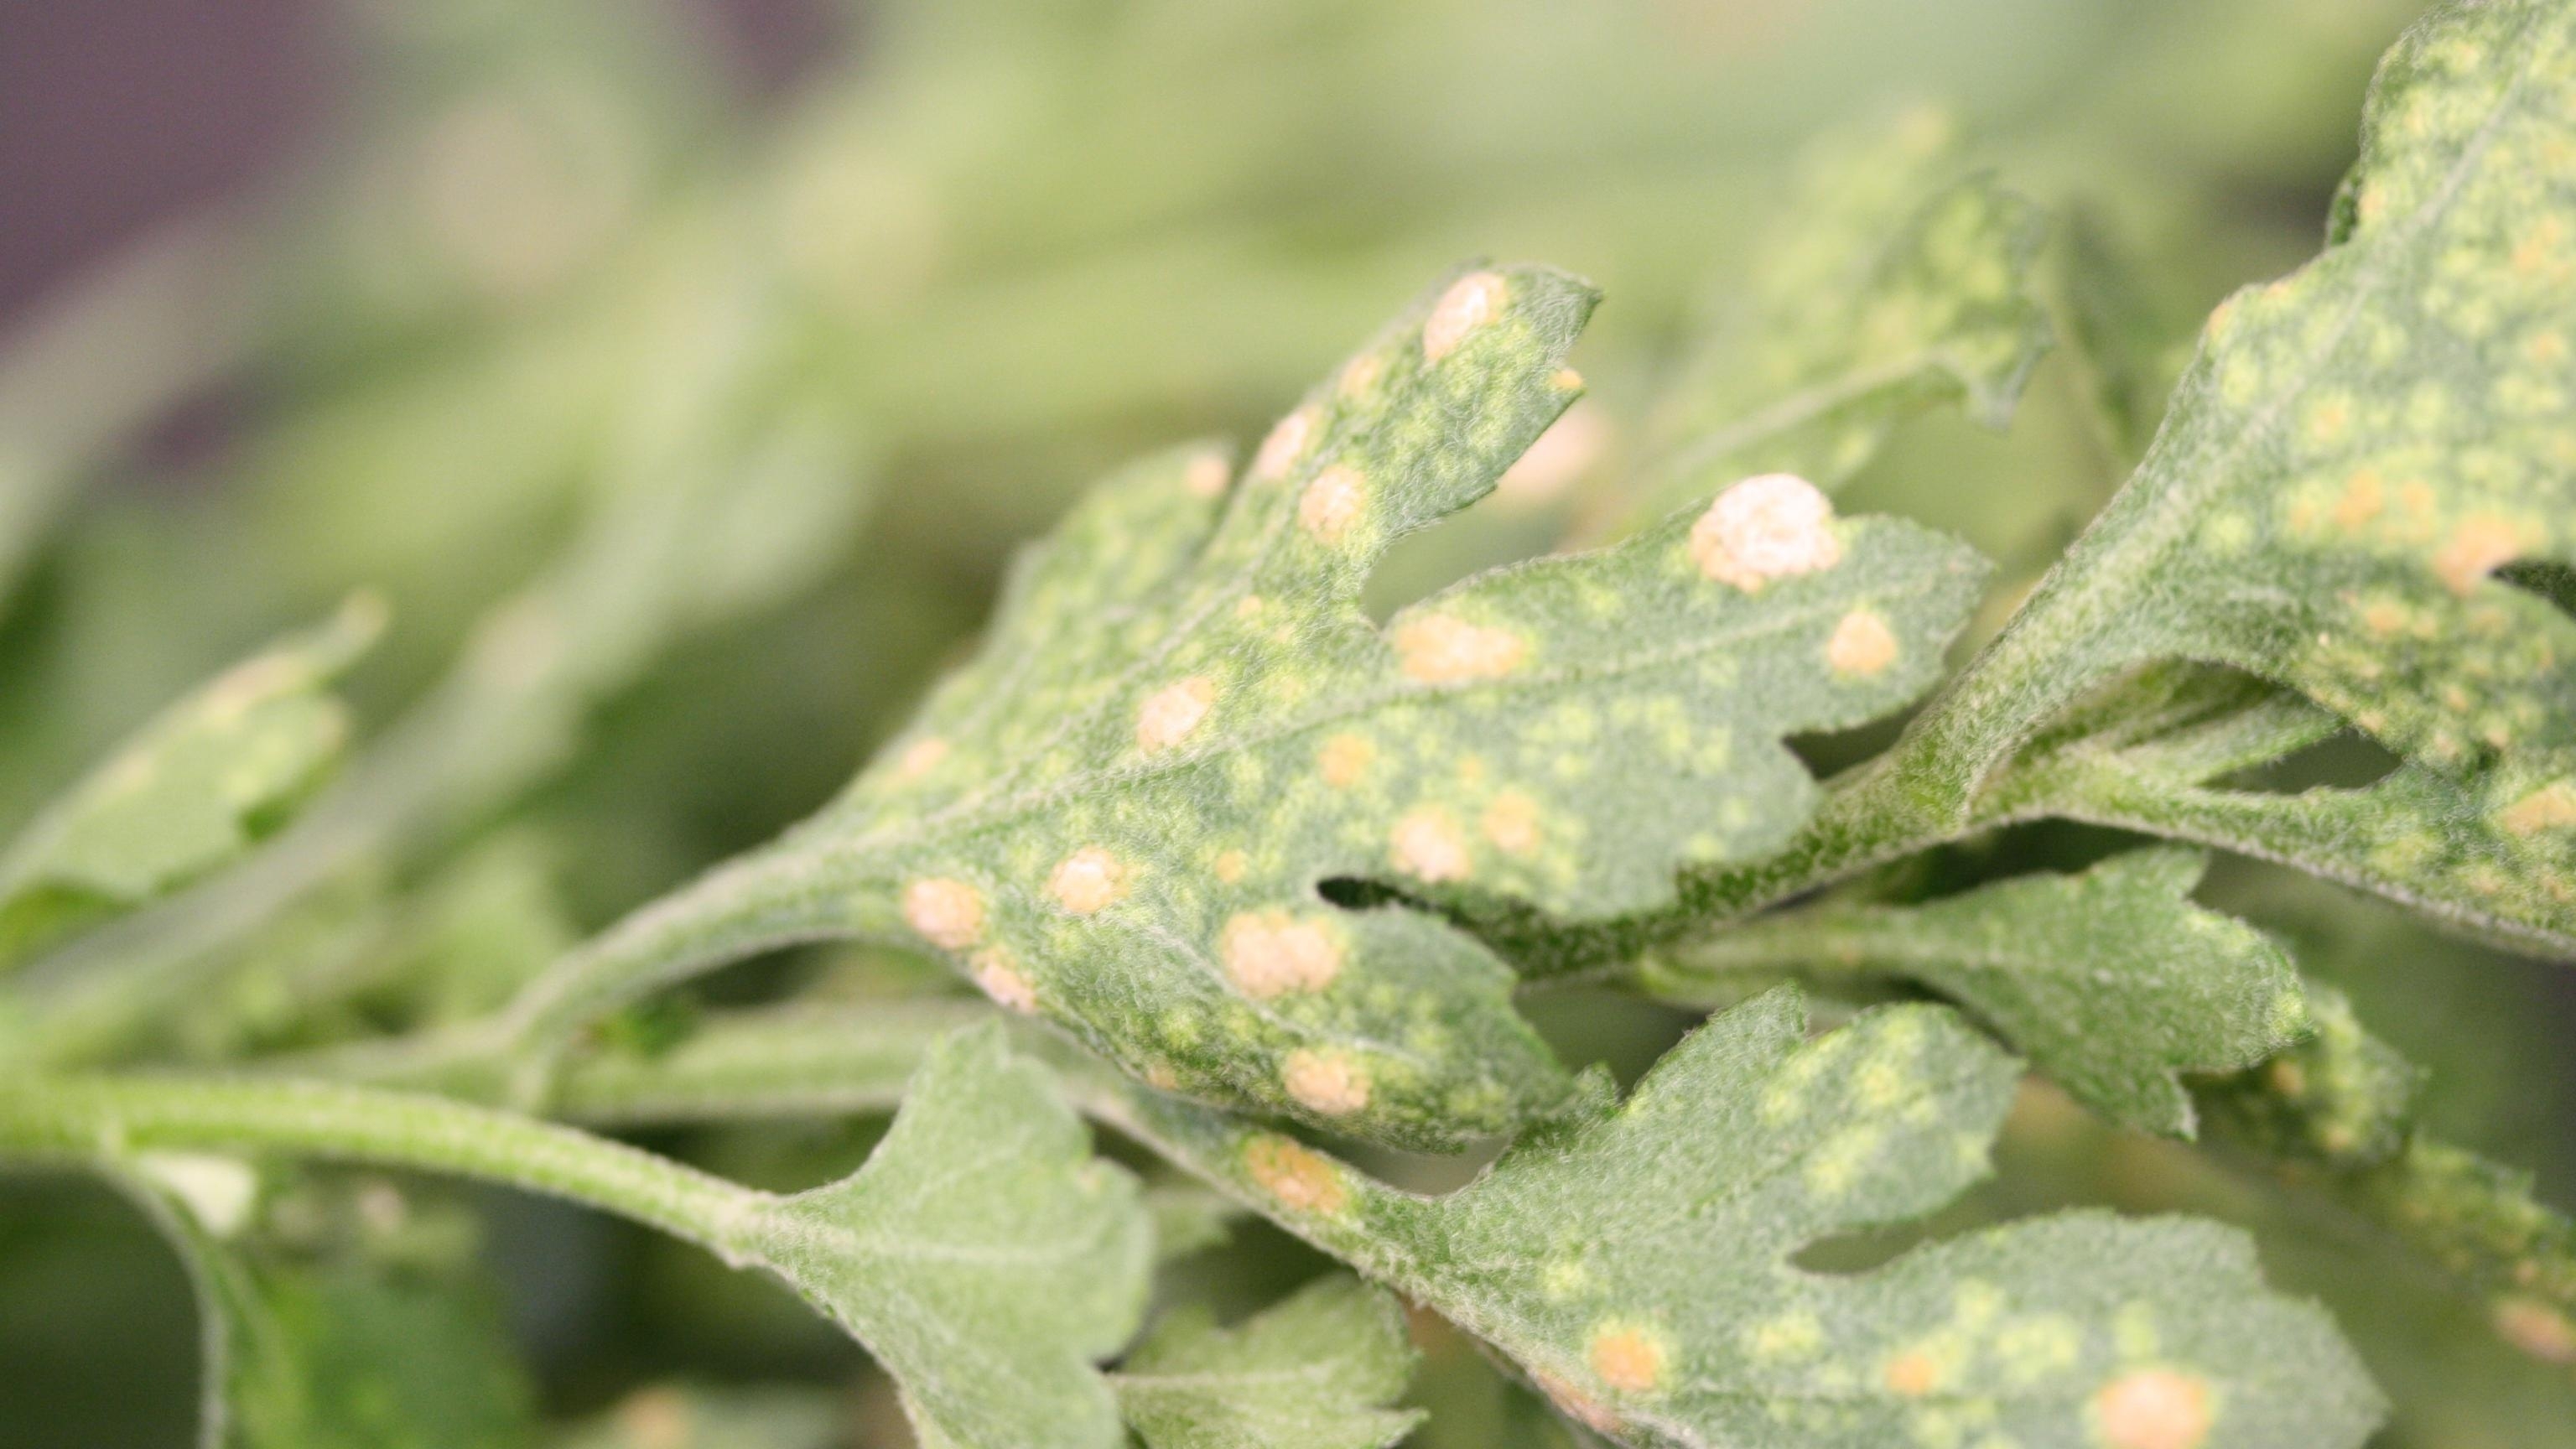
x=1314, y=1371
x=2358, y=472
x=188, y=793
x=2110, y=979
x=1637, y=1259
x=1882, y=291
x=982, y=1254
x=1124, y=813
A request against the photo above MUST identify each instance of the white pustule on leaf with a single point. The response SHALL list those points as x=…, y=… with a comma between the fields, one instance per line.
x=1765, y=528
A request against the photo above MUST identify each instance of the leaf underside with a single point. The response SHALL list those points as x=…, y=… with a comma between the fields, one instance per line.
x=1314, y=1371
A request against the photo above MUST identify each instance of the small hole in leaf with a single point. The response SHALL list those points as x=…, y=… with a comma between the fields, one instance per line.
x=1354, y=894
x=2350, y=760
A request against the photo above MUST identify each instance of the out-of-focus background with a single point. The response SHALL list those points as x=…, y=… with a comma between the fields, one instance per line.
x=681, y=373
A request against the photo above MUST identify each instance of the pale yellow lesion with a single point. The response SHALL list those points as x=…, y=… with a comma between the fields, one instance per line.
x=946, y=912
x=1472, y=301
x=1171, y=714
x=1324, y=1081
x=1088, y=881
x=1426, y=844
x=1270, y=953
x=1440, y=648
x=1626, y=1357
x=1330, y=504
x=2153, y=1408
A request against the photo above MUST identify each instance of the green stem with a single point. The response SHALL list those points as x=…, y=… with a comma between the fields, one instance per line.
x=89, y=1117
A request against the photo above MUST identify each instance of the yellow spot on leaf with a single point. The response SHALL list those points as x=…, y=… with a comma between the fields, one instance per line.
x=1285, y=445
x=1325, y=1082
x=920, y=758
x=1862, y=644
x=1627, y=1359
x=948, y=913
x=1426, y=846
x=1332, y=503
x=1360, y=374
x=1271, y=953
x=1912, y=1373
x=2364, y=495
x=2551, y=807
x=2480, y=544
x=1511, y=823
x=1445, y=649
x=1169, y=715
x=1472, y=301
x=1766, y=527
x=1230, y=866
x=1343, y=759
x=2153, y=1409
x=1088, y=880
x=1003, y=981
x=1295, y=1175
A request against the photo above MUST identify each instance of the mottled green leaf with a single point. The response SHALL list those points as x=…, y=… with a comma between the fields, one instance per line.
x=2351, y=464
x=2156, y=752
x=1124, y=814
x=2111, y=980
x=1882, y=291
x=1638, y=1260
x=1314, y=1371
x=316, y=1356
x=2337, y=1114
x=982, y=1254
x=188, y=793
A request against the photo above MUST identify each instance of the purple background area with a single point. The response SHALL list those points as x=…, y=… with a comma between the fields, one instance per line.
x=115, y=114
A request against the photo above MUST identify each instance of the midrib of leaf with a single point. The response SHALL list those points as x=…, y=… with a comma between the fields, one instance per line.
x=2063, y=641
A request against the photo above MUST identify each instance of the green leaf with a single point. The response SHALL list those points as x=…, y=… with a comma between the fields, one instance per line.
x=190, y=792
x=1125, y=813
x=2111, y=980
x=315, y=1356
x=982, y=1254
x=1882, y=291
x=2350, y=465
x=1314, y=1371
x=1637, y=1259
x=2337, y=1114
x=2471, y=853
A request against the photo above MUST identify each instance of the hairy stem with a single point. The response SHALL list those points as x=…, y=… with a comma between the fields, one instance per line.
x=90, y=1117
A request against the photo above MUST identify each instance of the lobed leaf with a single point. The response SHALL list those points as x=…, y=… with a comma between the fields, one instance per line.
x=1314, y=1371
x=2110, y=979
x=2358, y=468
x=1125, y=813
x=1145, y=809
x=982, y=1254
x=1638, y=1260
x=2337, y=1114
x=188, y=793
